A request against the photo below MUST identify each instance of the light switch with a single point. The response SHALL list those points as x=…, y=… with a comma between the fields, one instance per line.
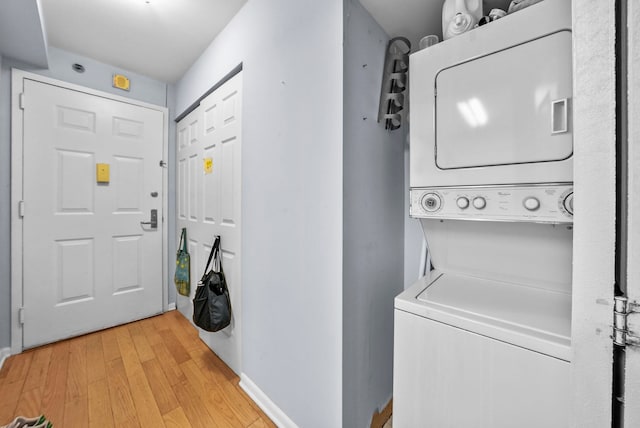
x=102, y=172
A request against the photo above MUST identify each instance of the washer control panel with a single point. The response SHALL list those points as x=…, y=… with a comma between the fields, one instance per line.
x=543, y=203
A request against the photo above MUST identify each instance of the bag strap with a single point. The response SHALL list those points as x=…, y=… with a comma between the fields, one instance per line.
x=184, y=245
x=183, y=240
x=217, y=262
x=214, y=249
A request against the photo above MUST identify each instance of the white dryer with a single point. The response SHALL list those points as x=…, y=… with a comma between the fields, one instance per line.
x=484, y=339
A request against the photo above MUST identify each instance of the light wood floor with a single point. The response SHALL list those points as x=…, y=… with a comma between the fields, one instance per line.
x=151, y=373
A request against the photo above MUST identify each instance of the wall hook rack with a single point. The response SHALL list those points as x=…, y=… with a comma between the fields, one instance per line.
x=394, y=82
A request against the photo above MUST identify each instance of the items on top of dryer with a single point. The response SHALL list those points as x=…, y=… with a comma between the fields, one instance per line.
x=517, y=5
x=460, y=16
x=493, y=15
x=497, y=14
x=428, y=41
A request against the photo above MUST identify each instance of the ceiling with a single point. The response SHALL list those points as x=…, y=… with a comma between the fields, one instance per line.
x=157, y=38
x=162, y=38
x=21, y=35
x=415, y=19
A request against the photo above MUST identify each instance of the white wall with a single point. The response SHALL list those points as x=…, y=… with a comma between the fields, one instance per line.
x=291, y=51
x=97, y=76
x=373, y=223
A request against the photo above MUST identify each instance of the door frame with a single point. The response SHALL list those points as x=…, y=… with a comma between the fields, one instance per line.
x=594, y=239
x=17, y=119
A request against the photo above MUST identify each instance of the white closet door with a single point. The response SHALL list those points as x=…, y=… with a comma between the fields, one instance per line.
x=209, y=196
x=89, y=263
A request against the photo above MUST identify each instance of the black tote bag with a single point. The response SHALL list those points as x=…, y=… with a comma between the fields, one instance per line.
x=212, y=305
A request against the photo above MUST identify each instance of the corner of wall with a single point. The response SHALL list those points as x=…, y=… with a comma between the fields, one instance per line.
x=4, y=354
x=373, y=242
x=270, y=408
x=170, y=103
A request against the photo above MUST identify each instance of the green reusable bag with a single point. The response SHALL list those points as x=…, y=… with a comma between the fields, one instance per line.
x=182, y=278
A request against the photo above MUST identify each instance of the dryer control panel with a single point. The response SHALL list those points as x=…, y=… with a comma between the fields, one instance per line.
x=541, y=203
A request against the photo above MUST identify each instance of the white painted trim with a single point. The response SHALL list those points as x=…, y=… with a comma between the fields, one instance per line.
x=632, y=358
x=165, y=208
x=4, y=354
x=264, y=402
x=21, y=74
x=594, y=222
x=17, y=85
x=171, y=307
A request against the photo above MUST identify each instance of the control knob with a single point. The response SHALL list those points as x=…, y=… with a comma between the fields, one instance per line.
x=462, y=202
x=568, y=203
x=531, y=203
x=431, y=202
x=479, y=202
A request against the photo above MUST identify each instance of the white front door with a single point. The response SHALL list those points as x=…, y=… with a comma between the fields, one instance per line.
x=208, y=154
x=88, y=261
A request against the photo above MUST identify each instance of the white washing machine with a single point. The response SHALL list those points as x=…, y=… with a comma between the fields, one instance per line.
x=484, y=339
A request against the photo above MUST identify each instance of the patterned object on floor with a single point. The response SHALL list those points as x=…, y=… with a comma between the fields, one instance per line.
x=22, y=422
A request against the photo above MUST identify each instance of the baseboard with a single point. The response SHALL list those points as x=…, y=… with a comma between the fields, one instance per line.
x=4, y=354
x=276, y=415
x=382, y=416
x=171, y=307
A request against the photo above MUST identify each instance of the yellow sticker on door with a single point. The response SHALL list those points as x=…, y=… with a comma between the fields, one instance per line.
x=102, y=172
x=208, y=165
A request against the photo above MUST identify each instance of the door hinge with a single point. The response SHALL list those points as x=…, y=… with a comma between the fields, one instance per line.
x=21, y=209
x=21, y=316
x=21, y=101
x=622, y=309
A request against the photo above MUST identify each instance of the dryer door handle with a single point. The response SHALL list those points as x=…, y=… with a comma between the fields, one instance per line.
x=560, y=116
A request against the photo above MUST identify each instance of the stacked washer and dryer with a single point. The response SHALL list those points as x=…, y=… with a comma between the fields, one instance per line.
x=484, y=339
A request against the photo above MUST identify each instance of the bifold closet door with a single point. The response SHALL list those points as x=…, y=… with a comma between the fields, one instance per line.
x=208, y=200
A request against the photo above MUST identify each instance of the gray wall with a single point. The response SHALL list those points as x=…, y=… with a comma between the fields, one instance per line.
x=373, y=223
x=97, y=76
x=413, y=236
x=291, y=51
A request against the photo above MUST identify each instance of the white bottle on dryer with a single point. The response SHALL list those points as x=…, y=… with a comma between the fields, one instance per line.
x=460, y=16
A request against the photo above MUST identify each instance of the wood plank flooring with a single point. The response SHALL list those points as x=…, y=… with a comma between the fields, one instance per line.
x=150, y=373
